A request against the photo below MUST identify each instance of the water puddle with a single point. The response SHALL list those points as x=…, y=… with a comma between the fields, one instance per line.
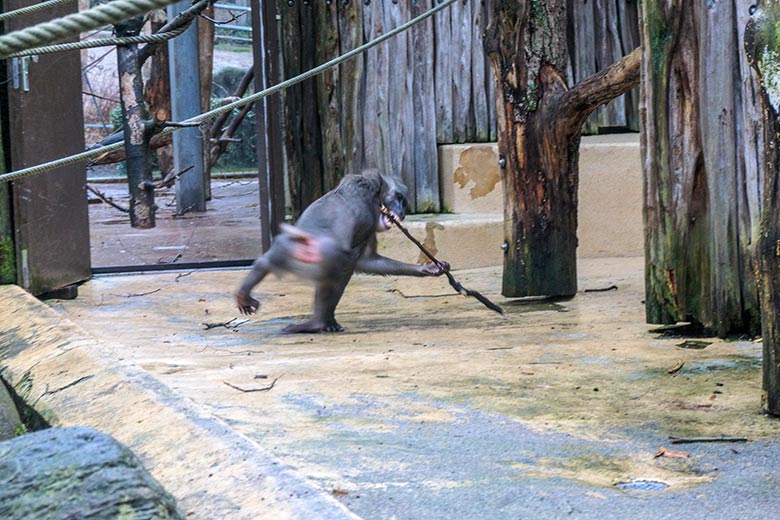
x=642, y=485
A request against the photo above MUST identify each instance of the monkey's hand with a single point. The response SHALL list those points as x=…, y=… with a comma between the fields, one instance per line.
x=246, y=304
x=435, y=269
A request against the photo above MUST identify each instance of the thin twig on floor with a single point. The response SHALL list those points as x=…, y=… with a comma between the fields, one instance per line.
x=230, y=324
x=248, y=390
x=687, y=440
x=106, y=199
x=135, y=295
x=603, y=289
x=182, y=275
x=398, y=291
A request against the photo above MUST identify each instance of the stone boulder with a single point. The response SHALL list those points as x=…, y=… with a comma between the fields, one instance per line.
x=77, y=472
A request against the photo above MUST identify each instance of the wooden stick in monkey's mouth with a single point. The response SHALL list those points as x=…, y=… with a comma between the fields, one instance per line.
x=453, y=282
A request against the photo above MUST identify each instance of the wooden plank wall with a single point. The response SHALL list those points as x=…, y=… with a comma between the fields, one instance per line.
x=392, y=106
x=600, y=33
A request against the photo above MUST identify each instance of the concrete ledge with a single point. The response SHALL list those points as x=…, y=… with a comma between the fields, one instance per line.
x=466, y=240
x=213, y=471
x=610, y=192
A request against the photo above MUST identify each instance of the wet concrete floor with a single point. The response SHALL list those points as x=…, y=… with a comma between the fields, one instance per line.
x=431, y=407
x=229, y=229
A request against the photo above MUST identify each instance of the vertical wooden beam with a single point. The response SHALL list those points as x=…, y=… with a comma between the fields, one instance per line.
x=761, y=43
x=7, y=253
x=45, y=122
x=426, y=158
x=206, y=31
x=185, y=103
x=328, y=85
x=698, y=143
x=351, y=75
x=265, y=49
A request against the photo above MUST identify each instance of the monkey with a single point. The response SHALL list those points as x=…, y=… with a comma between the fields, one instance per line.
x=334, y=237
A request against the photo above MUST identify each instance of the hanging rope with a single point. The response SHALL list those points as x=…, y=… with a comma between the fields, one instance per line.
x=32, y=9
x=91, y=154
x=76, y=23
x=102, y=42
x=177, y=26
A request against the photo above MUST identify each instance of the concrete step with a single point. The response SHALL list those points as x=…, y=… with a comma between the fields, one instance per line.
x=610, y=205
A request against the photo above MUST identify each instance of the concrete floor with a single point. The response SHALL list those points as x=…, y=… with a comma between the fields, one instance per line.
x=228, y=230
x=427, y=407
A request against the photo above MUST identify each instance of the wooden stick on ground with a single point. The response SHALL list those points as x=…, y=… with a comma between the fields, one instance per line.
x=686, y=440
x=453, y=282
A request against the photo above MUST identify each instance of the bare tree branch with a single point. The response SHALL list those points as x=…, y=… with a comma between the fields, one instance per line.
x=601, y=88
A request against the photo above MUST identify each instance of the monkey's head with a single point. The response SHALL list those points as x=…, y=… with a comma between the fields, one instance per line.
x=393, y=196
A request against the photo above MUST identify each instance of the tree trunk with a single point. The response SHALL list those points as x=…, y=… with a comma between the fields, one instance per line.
x=302, y=122
x=762, y=43
x=700, y=139
x=328, y=102
x=134, y=119
x=206, y=67
x=157, y=91
x=539, y=122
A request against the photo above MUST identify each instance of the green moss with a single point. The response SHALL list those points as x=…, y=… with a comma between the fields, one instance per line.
x=659, y=34
x=7, y=261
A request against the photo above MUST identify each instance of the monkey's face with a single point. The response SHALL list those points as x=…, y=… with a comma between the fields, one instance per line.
x=394, y=199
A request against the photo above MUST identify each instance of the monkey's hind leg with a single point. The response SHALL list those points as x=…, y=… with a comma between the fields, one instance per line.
x=326, y=298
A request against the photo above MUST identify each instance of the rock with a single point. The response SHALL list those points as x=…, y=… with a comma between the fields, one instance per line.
x=9, y=415
x=77, y=472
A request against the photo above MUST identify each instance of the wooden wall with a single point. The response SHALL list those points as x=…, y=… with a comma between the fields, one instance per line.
x=600, y=33
x=390, y=107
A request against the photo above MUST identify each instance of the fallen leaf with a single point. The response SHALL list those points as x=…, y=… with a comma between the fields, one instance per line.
x=676, y=368
x=671, y=454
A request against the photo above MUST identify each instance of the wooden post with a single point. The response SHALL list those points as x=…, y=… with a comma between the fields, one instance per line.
x=7, y=251
x=265, y=28
x=539, y=122
x=157, y=91
x=185, y=103
x=762, y=43
x=206, y=31
x=328, y=101
x=423, y=121
x=699, y=144
x=134, y=125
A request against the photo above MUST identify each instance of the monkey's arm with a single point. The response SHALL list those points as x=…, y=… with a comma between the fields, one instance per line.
x=246, y=304
x=373, y=263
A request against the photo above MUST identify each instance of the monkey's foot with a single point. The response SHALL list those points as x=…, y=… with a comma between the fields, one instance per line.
x=246, y=304
x=313, y=326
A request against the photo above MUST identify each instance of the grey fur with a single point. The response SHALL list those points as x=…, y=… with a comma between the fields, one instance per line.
x=340, y=229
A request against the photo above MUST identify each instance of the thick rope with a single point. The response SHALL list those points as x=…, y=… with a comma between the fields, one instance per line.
x=74, y=24
x=91, y=154
x=178, y=25
x=32, y=9
x=103, y=42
